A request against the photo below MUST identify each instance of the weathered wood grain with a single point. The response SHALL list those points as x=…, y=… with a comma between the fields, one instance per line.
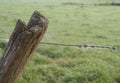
x=21, y=45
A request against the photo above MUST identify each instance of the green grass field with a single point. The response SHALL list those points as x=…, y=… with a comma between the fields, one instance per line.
x=69, y=24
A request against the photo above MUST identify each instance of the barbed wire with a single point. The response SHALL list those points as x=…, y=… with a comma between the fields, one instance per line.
x=82, y=45
x=75, y=45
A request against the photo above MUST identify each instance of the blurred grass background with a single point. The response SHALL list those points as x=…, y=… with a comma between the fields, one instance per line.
x=73, y=24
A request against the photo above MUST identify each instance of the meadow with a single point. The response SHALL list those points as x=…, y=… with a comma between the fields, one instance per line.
x=68, y=24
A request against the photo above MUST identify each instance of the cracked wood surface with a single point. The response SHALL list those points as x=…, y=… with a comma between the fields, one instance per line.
x=22, y=43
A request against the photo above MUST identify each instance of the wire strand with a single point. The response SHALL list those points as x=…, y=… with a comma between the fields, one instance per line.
x=81, y=45
x=75, y=45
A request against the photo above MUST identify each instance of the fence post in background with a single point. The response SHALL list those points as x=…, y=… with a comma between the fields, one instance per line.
x=22, y=43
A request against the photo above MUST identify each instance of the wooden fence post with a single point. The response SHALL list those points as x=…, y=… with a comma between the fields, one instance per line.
x=22, y=43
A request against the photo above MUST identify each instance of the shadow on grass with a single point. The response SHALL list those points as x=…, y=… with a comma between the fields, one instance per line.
x=2, y=45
